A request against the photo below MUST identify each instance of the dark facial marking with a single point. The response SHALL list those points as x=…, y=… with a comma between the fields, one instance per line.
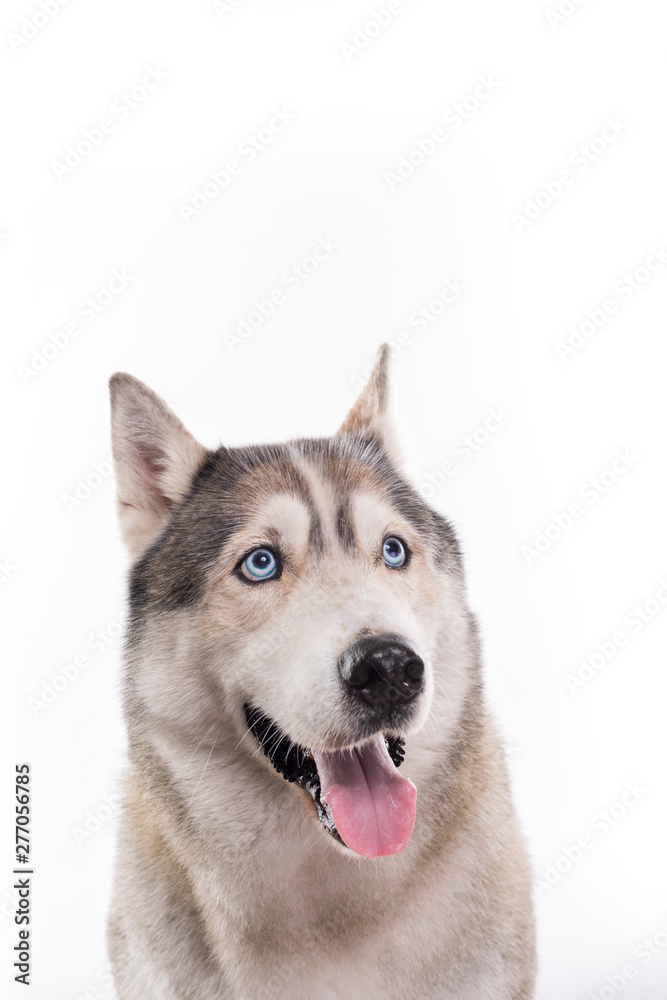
x=316, y=535
x=172, y=572
x=352, y=462
x=344, y=526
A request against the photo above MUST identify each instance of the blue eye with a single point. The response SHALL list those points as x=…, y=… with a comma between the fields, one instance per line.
x=393, y=552
x=261, y=564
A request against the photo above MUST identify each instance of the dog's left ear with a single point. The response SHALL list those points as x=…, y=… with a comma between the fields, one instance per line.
x=369, y=417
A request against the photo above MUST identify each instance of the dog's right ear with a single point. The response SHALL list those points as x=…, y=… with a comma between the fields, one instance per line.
x=155, y=459
x=369, y=414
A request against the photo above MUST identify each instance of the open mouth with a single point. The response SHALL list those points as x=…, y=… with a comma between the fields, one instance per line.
x=359, y=796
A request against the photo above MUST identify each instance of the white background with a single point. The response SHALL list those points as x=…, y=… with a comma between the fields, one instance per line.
x=355, y=112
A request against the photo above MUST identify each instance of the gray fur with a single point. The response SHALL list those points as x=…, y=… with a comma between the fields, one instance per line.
x=227, y=886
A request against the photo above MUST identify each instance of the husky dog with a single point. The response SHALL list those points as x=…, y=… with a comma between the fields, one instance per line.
x=317, y=805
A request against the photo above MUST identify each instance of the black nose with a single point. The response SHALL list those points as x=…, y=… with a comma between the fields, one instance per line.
x=382, y=671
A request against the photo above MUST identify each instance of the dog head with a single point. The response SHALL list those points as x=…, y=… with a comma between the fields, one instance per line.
x=323, y=596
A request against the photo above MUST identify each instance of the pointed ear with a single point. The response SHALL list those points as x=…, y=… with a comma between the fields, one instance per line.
x=368, y=416
x=155, y=458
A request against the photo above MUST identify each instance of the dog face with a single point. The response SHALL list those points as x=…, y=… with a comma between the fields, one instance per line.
x=321, y=594
x=326, y=591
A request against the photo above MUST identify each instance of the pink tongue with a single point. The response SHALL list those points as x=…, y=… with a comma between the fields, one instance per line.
x=373, y=806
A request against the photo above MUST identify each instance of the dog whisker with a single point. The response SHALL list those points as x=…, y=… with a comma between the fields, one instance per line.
x=203, y=772
x=197, y=748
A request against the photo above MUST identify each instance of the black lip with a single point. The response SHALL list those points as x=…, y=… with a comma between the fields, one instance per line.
x=295, y=763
